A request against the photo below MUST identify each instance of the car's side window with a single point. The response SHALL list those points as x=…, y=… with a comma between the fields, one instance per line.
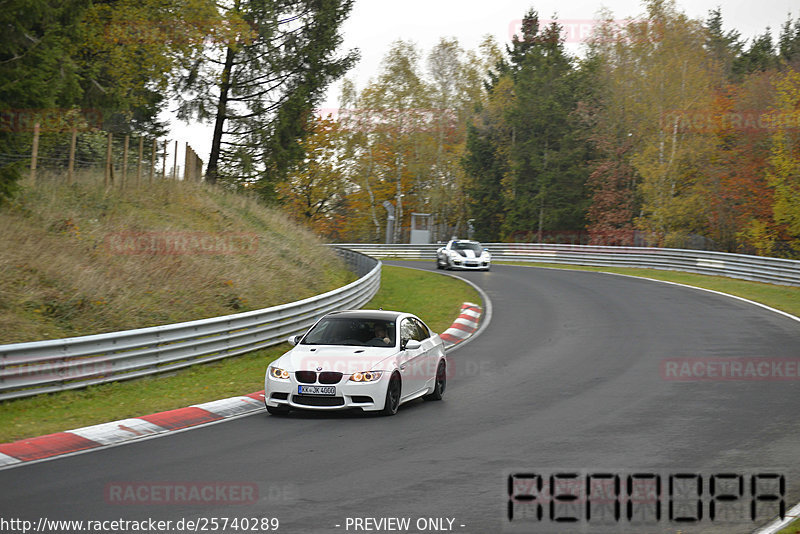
x=407, y=330
x=422, y=331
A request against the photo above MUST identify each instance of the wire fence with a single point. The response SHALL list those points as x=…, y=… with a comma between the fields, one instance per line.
x=64, y=142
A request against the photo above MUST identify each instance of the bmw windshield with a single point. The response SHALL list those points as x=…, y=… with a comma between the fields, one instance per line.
x=352, y=332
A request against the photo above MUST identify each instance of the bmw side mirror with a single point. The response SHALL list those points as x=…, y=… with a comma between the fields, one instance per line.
x=294, y=340
x=412, y=344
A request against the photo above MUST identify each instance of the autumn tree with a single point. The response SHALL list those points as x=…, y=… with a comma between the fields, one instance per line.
x=784, y=173
x=738, y=198
x=314, y=193
x=655, y=85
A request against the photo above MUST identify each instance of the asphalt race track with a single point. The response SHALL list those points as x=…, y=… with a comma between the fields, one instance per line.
x=568, y=377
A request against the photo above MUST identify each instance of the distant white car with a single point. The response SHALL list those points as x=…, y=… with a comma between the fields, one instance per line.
x=374, y=360
x=463, y=254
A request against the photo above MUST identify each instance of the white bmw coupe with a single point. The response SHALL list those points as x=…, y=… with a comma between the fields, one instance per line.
x=367, y=359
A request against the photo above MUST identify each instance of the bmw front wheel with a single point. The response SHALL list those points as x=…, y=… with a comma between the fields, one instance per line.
x=392, y=396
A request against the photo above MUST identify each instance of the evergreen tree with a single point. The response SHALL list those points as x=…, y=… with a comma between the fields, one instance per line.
x=548, y=156
x=789, y=42
x=723, y=47
x=261, y=90
x=36, y=73
x=760, y=57
x=487, y=167
x=486, y=158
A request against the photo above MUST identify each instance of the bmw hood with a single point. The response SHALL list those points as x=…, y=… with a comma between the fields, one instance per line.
x=344, y=359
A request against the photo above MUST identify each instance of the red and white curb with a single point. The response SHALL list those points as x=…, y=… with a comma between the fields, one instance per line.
x=126, y=430
x=464, y=326
x=114, y=433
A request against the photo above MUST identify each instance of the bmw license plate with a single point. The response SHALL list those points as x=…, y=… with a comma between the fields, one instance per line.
x=317, y=390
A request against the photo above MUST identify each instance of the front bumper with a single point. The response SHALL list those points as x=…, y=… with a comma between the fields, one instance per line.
x=368, y=396
x=469, y=265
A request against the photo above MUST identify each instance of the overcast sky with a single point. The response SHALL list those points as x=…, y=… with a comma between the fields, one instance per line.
x=374, y=24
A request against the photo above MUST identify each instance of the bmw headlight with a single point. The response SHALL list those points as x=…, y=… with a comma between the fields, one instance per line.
x=276, y=372
x=368, y=376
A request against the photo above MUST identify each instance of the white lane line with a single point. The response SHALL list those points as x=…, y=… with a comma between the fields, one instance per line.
x=778, y=524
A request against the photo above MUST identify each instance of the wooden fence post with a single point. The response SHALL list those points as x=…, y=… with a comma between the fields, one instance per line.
x=109, y=168
x=164, y=161
x=35, y=151
x=125, y=160
x=139, y=162
x=175, y=162
x=153, y=159
x=186, y=155
x=73, y=142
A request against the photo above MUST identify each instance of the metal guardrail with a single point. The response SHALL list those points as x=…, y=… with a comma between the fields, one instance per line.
x=55, y=365
x=755, y=268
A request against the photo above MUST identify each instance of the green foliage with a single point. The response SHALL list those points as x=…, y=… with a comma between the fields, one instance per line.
x=36, y=72
x=526, y=152
x=760, y=57
x=261, y=85
x=722, y=47
x=789, y=41
x=548, y=155
x=785, y=156
x=487, y=167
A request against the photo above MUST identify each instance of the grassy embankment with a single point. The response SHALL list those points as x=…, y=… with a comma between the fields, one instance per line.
x=62, y=277
x=67, y=266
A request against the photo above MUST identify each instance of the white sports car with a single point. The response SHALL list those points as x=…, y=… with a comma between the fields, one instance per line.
x=373, y=360
x=463, y=254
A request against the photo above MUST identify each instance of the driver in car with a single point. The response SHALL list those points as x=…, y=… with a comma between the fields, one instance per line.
x=380, y=336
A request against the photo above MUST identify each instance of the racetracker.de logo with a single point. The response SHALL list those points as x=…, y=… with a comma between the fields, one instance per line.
x=722, y=369
x=181, y=493
x=181, y=243
x=706, y=121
